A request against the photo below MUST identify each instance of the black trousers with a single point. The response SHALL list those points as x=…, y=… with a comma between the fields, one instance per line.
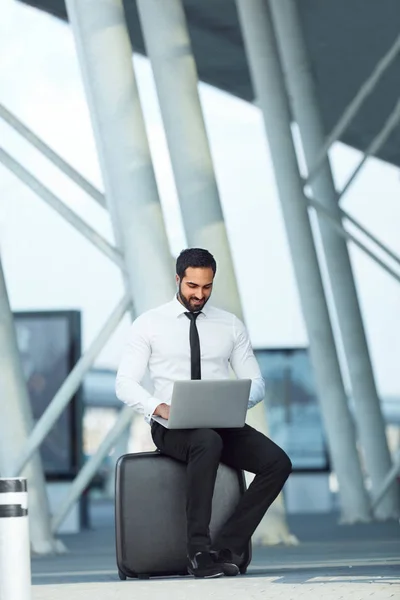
x=241, y=448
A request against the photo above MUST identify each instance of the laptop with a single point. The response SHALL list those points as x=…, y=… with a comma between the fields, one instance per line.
x=208, y=403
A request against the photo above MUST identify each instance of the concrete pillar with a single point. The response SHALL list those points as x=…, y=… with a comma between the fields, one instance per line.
x=169, y=49
x=307, y=114
x=269, y=85
x=105, y=57
x=16, y=422
x=168, y=46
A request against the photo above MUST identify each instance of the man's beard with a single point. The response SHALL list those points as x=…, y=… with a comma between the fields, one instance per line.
x=187, y=304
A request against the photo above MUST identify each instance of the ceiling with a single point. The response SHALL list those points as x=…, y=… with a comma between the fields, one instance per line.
x=345, y=40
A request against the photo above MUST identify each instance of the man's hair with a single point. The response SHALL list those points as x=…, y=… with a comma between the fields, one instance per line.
x=195, y=258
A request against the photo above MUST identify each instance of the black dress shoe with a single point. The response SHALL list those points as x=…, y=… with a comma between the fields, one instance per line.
x=225, y=559
x=203, y=565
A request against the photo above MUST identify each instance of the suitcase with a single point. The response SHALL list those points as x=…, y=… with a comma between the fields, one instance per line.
x=150, y=518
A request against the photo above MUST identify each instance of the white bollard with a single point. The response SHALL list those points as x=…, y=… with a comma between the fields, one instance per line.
x=15, y=561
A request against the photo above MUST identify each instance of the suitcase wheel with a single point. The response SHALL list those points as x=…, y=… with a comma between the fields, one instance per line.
x=143, y=576
x=243, y=570
x=121, y=575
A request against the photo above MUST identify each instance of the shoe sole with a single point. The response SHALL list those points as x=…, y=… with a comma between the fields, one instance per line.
x=214, y=576
x=232, y=574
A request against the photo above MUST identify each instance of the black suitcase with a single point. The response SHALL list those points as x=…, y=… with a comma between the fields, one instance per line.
x=150, y=519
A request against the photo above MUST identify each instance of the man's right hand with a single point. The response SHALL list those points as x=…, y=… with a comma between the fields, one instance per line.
x=162, y=411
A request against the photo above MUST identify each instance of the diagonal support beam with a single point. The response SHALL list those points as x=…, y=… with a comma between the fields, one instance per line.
x=336, y=224
x=345, y=215
x=395, y=257
x=70, y=386
x=88, y=471
x=378, y=141
x=55, y=158
x=388, y=481
x=352, y=109
x=58, y=205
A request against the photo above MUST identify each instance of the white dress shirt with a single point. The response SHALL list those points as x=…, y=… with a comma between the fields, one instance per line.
x=159, y=340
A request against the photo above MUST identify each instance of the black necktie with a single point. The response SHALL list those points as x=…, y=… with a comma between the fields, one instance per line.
x=194, y=346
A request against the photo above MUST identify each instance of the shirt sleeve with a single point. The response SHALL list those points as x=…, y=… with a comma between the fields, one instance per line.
x=245, y=365
x=132, y=369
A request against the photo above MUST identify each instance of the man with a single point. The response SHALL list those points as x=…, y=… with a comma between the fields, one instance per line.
x=189, y=339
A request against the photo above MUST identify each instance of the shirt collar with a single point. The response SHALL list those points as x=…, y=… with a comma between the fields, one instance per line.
x=178, y=309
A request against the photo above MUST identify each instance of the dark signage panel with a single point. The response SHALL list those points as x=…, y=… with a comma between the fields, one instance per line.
x=50, y=346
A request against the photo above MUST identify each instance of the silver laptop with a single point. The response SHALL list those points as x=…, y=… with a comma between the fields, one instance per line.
x=208, y=403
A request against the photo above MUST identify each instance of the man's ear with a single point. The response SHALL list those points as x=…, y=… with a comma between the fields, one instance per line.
x=177, y=279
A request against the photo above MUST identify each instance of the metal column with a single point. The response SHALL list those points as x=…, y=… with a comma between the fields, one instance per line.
x=169, y=49
x=268, y=81
x=105, y=57
x=16, y=421
x=306, y=112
